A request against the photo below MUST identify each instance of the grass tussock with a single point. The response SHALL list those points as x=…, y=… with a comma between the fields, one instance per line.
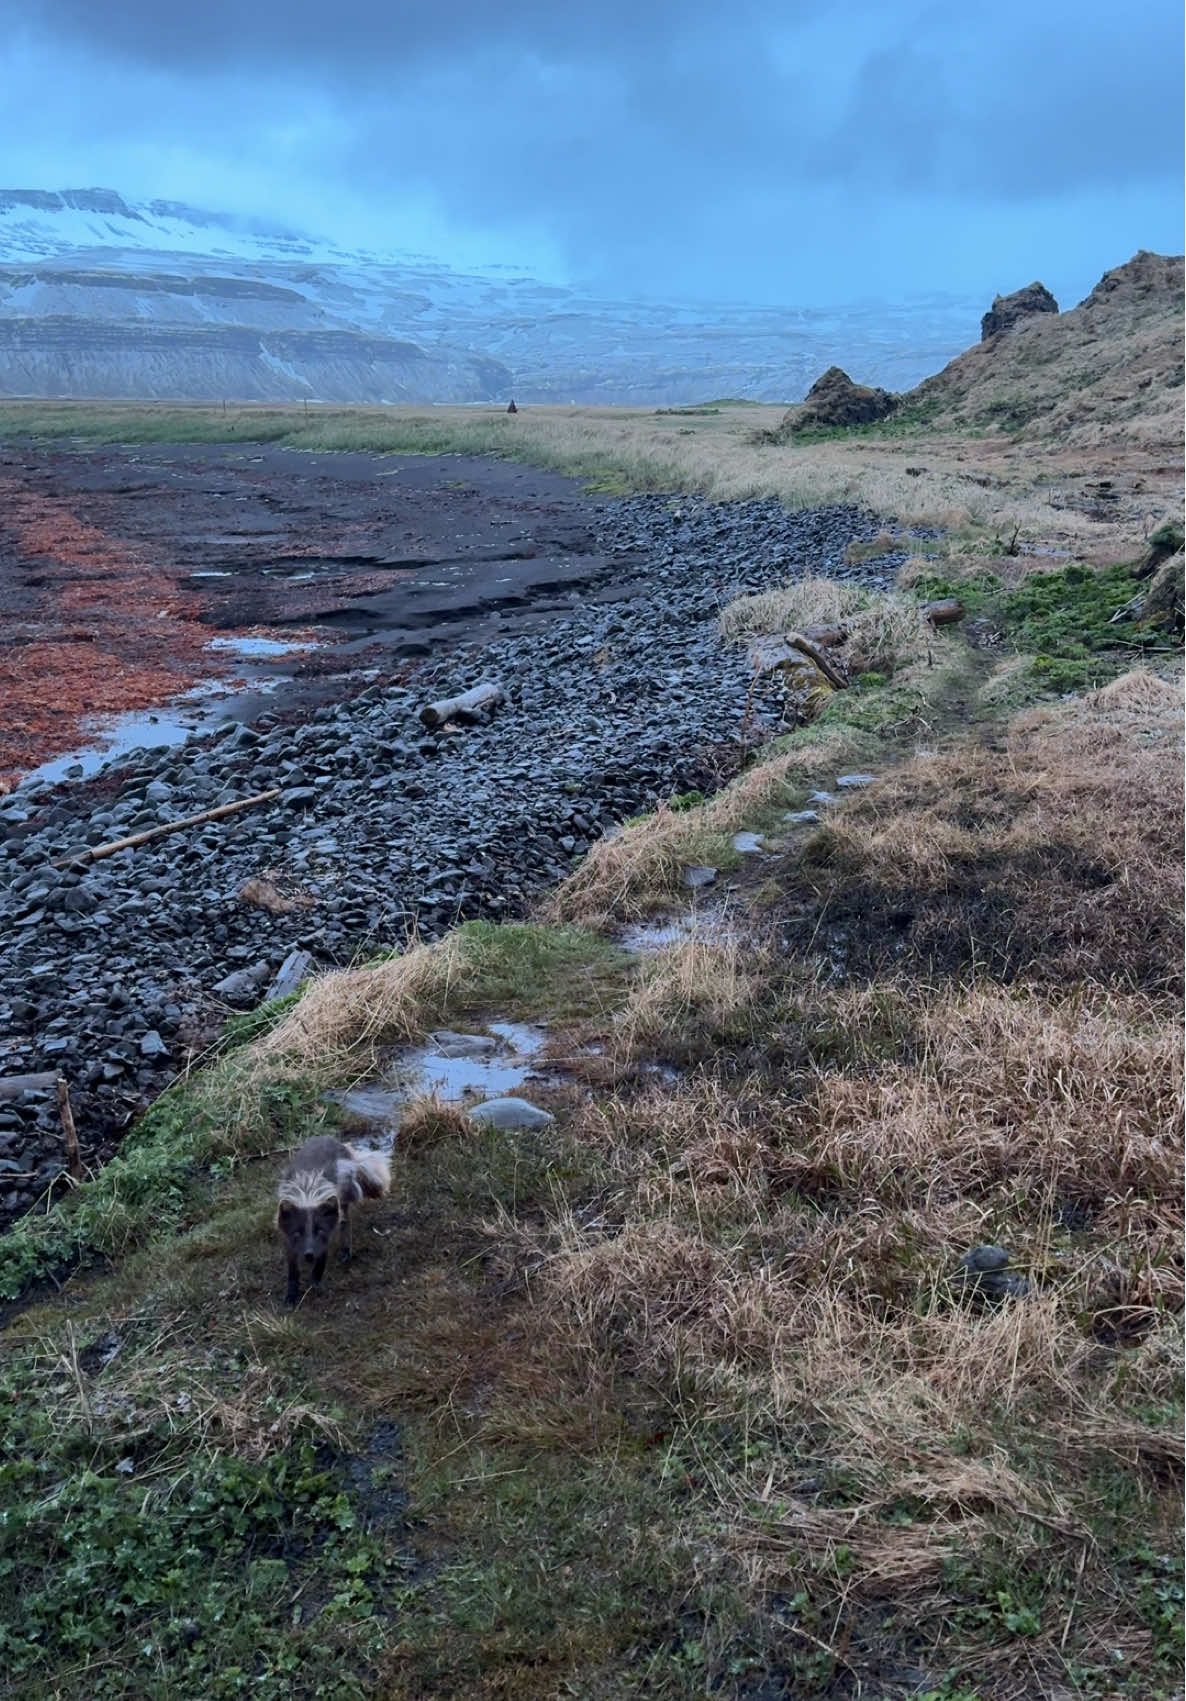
x=886, y=633
x=637, y=870
x=346, y=1016
x=1056, y=855
x=429, y=1121
x=696, y=992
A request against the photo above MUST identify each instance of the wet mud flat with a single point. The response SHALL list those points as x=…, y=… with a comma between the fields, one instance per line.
x=119, y=567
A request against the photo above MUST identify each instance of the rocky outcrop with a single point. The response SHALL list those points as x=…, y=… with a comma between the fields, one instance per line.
x=1094, y=374
x=1164, y=602
x=835, y=400
x=1007, y=310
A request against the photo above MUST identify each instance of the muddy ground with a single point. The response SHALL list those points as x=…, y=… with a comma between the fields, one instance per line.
x=119, y=565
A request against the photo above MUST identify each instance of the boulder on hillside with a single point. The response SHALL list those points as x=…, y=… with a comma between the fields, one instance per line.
x=1007, y=310
x=835, y=400
x=1165, y=600
x=1169, y=539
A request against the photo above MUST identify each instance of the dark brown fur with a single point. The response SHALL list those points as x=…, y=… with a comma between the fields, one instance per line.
x=316, y=1191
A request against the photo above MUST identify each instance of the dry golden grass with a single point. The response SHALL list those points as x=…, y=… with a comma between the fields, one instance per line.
x=428, y=1121
x=1056, y=854
x=868, y=549
x=686, y=990
x=886, y=633
x=639, y=869
x=346, y=1016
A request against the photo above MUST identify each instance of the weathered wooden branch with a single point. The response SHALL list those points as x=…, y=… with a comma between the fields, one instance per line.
x=451, y=708
x=945, y=612
x=835, y=678
x=96, y=853
x=827, y=637
x=12, y=1086
x=69, y=1132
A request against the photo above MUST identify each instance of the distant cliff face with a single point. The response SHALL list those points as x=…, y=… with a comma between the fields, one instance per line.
x=59, y=356
x=103, y=297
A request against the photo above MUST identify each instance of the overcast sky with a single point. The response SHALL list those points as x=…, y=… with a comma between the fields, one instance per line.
x=802, y=152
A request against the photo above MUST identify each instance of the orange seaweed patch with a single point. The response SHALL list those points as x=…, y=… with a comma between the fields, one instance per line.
x=101, y=627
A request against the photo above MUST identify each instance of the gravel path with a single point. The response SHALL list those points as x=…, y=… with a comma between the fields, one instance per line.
x=109, y=976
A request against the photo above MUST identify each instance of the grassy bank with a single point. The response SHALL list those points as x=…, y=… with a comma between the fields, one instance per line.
x=932, y=475
x=683, y=1394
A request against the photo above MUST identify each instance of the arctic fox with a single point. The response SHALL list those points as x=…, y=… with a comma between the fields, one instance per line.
x=316, y=1191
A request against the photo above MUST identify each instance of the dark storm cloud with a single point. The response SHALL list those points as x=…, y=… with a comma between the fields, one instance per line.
x=651, y=139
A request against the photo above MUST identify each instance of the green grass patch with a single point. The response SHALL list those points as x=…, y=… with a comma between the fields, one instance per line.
x=526, y=969
x=1063, y=619
x=161, y=1177
x=141, y=1556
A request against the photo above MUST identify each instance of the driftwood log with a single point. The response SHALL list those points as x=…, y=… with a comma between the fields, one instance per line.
x=96, y=853
x=12, y=1086
x=461, y=708
x=835, y=678
x=945, y=612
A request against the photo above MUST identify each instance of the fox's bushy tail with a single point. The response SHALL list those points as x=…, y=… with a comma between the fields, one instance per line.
x=372, y=1172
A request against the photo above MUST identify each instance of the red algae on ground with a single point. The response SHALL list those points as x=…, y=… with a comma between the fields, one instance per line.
x=92, y=626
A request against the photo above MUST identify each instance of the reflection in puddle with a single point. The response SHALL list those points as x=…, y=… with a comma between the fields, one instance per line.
x=711, y=925
x=111, y=738
x=455, y=1067
x=487, y=1071
x=259, y=648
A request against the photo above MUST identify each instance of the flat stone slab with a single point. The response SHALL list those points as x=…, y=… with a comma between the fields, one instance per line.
x=698, y=876
x=448, y=1044
x=508, y=1114
x=801, y=817
x=821, y=798
x=748, y=844
x=372, y=1104
x=851, y=782
x=295, y=969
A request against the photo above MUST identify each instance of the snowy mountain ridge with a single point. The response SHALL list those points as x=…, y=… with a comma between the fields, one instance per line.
x=102, y=296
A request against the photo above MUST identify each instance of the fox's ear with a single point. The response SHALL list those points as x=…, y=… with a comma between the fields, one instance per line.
x=286, y=1212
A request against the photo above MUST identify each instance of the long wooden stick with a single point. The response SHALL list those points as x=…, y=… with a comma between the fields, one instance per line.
x=95, y=853
x=813, y=652
x=73, y=1156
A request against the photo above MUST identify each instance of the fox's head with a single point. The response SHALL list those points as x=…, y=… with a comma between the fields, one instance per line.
x=307, y=1216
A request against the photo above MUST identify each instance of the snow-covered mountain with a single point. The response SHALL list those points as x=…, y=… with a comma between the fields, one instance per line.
x=103, y=297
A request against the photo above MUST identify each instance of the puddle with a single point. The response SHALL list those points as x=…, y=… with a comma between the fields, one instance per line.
x=507, y=1064
x=111, y=738
x=642, y=937
x=258, y=649
x=505, y=1061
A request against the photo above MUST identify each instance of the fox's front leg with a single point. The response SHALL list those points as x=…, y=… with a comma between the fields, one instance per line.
x=345, y=1237
x=317, y=1272
x=293, y=1293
